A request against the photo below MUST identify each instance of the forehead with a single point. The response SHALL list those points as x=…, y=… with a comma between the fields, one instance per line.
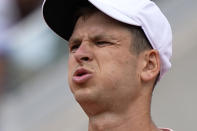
x=99, y=23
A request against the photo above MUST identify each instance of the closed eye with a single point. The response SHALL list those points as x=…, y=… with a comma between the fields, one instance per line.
x=103, y=43
x=74, y=47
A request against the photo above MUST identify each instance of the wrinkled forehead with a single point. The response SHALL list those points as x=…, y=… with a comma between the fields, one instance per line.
x=97, y=23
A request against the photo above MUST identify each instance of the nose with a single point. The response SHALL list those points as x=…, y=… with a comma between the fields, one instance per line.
x=84, y=53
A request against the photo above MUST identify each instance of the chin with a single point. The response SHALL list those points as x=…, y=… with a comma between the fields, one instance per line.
x=85, y=95
x=90, y=104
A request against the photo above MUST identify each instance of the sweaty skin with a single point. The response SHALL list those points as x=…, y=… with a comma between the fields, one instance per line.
x=106, y=77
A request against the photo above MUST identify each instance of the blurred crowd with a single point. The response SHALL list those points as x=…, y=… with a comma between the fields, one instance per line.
x=21, y=46
x=33, y=89
x=11, y=13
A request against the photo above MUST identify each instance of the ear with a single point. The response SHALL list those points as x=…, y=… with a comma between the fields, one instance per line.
x=151, y=65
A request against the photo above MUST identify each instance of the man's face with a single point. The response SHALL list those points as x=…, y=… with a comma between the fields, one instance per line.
x=102, y=68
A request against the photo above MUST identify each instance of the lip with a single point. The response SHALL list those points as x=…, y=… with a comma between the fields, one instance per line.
x=81, y=76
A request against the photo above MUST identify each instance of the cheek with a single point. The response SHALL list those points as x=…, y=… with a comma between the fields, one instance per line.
x=119, y=69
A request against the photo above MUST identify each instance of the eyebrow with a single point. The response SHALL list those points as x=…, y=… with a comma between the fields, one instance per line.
x=74, y=40
x=92, y=38
x=102, y=36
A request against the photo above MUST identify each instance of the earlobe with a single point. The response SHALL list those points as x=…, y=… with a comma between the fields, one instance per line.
x=151, y=65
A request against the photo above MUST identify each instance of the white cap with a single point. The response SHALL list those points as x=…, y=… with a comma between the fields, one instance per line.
x=143, y=13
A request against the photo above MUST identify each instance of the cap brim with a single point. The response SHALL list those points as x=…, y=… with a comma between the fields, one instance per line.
x=59, y=15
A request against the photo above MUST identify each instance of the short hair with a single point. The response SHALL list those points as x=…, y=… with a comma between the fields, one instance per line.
x=140, y=42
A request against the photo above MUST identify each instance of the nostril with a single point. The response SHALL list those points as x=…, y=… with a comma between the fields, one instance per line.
x=85, y=58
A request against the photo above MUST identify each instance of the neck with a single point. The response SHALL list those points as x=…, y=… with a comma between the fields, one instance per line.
x=135, y=118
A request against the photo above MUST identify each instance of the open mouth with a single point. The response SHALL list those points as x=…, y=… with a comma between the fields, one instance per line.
x=81, y=76
x=81, y=73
